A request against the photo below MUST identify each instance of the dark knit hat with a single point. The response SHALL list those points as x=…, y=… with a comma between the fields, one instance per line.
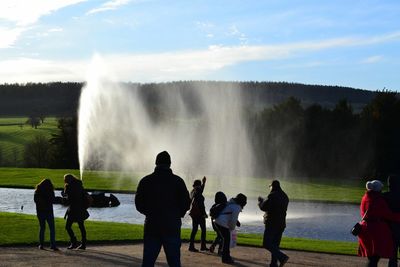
x=240, y=199
x=163, y=158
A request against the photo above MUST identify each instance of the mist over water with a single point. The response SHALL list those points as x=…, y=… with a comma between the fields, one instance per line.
x=123, y=127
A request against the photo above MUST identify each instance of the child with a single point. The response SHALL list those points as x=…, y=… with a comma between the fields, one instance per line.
x=198, y=214
x=44, y=198
x=227, y=221
x=220, y=202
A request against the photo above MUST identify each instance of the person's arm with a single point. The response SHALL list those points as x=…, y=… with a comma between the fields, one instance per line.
x=185, y=198
x=203, y=184
x=233, y=218
x=139, y=198
x=263, y=204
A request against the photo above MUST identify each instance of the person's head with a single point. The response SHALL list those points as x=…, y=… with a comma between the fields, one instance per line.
x=220, y=198
x=196, y=183
x=240, y=199
x=374, y=185
x=163, y=159
x=394, y=183
x=69, y=178
x=45, y=186
x=275, y=185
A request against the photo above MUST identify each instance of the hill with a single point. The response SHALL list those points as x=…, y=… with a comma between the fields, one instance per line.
x=62, y=99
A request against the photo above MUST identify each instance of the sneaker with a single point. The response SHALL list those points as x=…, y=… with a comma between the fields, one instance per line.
x=192, y=249
x=212, y=248
x=228, y=261
x=82, y=246
x=204, y=249
x=55, y=248
x=41, y=247
x=72, y=246
x=284, y=261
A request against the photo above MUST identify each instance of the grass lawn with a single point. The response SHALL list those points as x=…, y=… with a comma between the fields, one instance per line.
x=21, y=229
x=14, y=134
x=346, y=191
x=93, y=180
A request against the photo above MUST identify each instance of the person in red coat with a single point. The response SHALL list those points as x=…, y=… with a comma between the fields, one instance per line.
x=375, y=239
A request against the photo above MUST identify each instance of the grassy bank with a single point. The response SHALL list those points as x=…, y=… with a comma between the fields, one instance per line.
x=20, y=229
x=337, y=190
x=15, y=133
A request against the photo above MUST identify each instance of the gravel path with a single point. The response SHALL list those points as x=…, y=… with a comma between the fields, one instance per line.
x=130, y=255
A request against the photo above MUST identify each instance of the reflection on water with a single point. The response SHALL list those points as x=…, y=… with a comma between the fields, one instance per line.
x=308, y=220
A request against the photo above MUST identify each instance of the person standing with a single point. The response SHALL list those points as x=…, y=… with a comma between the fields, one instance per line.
x=227, y=221
x=393, y=199
x=220, y=202
x=76, y=198
x=164, y=199
x=198, y=214
x=375, y=238
x=275, y=207
x=44, y=198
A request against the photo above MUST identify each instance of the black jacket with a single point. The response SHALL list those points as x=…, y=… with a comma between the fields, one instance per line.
x=75, y=198
x=393, y=199
x=275, y=207
x=164, y=199
x=44, y=202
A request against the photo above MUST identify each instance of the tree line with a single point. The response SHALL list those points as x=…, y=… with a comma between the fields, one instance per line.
x=289, y=139
x=315, y=141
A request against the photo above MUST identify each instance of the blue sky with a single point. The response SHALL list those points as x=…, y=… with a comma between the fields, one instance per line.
x=346, y=43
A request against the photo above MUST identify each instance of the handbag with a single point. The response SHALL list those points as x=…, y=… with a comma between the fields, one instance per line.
x=356, y=230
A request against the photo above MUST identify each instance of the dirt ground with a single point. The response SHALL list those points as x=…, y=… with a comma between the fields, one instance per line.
x=131, y=255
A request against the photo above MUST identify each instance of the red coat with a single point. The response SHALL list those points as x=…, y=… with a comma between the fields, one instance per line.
x=376, y=238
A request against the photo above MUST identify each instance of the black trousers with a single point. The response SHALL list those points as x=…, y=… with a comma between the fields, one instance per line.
x=68, y=227
x=226, y=242
x=196, y=222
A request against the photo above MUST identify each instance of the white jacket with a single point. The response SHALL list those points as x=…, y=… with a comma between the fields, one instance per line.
x=229, y=215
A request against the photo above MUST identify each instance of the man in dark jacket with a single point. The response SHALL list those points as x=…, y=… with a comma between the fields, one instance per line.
x=275, y=207
x=393, y=199
x=164, y=199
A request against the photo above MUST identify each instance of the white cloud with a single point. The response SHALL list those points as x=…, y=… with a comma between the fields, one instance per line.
x=372, y=59
x=18, y=16
x=8, y=36
x=178, y=65
x=24, y=13
x=110, y=5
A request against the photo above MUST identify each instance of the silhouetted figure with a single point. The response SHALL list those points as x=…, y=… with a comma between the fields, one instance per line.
x=393, y=199
x=226, y=222
x=198, y=214
x=44, y=198
x=164, y=199
x=220, y=202
x=275, y=207
x=76, y=199
x=375, y=239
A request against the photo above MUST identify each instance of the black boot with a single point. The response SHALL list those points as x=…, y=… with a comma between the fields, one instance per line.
x=192, y=248
x=73, y=244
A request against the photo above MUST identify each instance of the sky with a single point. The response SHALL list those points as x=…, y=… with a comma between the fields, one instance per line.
x=340, y=42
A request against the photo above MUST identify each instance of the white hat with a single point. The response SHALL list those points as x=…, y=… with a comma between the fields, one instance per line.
x=374, y=185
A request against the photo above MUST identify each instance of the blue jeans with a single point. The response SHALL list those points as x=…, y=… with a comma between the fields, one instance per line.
x=152, y=245
x=49, y=217
x=271, y=241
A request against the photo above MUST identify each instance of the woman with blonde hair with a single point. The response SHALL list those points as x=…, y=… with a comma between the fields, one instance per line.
x=44, y=198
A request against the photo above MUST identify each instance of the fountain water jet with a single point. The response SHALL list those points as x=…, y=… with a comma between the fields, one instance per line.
x=124, y=126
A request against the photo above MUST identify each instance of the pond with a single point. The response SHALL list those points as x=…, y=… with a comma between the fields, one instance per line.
x=308, y=220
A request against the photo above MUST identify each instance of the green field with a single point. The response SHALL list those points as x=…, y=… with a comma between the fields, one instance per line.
x=15, y=133
x=20, y=229
x=341, y=191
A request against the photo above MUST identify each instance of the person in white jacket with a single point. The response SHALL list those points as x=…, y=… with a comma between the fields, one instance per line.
x=227, y=221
